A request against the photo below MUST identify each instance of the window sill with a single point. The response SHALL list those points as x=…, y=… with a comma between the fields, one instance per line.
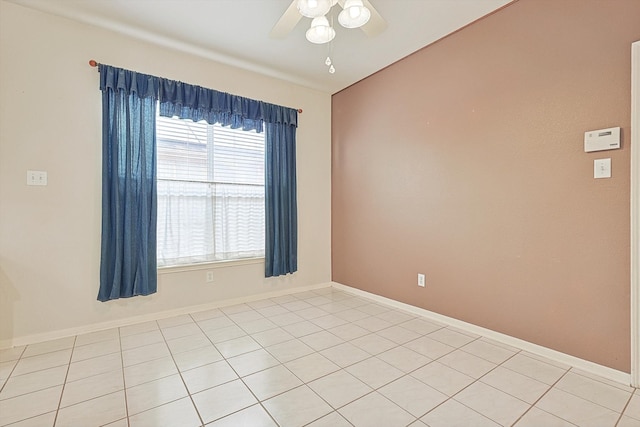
x=209, y=265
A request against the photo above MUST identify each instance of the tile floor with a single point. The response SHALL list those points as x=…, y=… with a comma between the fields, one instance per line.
x=320, y=358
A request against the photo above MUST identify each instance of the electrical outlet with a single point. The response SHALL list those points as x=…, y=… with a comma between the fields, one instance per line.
x=209, y=276
x=421, y=280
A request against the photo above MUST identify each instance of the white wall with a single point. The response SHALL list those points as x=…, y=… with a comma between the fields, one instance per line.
x=50, y=120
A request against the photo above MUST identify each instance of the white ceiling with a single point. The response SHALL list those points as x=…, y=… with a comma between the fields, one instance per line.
x=236, y=32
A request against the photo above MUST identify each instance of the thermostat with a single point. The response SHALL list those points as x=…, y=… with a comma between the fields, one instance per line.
x=603, y=139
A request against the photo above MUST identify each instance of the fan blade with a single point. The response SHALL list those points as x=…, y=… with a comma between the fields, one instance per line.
x=376, y=23
x=287, y=22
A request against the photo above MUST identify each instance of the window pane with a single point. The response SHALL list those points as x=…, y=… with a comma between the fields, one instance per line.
x=210, y=192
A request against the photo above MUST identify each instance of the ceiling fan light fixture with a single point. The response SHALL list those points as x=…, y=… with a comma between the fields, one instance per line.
x=320, y=31
x=314, y=8
x=355, y=14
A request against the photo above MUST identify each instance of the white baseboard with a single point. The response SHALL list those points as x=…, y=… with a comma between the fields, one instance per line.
x=95, y=327
x=554, y=355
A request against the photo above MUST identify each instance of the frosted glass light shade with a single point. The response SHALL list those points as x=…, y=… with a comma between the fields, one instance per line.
x=355, y=14
x=314, y=8
x=320, y=31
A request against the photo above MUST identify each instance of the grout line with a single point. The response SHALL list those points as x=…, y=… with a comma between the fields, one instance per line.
x=124, y=380
x=64, y=384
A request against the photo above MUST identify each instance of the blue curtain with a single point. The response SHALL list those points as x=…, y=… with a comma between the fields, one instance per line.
x=128, y=257
x=281, y=234
x=186, y=101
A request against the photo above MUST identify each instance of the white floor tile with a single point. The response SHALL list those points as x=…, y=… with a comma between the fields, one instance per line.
x=180, y=413
x=442, y=378
x=452, y=413
x=18, y=385
x=254, y=361
x=633, y=408
x=253, y=416
x=49, y=346
x=321, y=340
x=289, y=350
x=225, y=399
x=101, y=348
x=180, y=331
x=373, y=324
x=339, y=388
x=9, y=354
x=515, y=384
x=271, y=382
x=214, y=323
x=198, y=357
x=97, y=412
x=142, y=339
x=467, y=363
x=349, y=331
x=374, y=372
x=256, y=326
x=297, y=407
x=302, y=329
x=345, y=354
x=421, y=326
x=450, y=337
x=311, y=367
x=413, y=396
x=576, y=410
x=94, y=366
x=154, y=393
x=272, y=337
x=138, y=328
x=225, y=333
x=91, y=387
x=534, y=368
x=170, y=322
x=188, y=343
x=594, y=391
x=43, y=361
x=399, y=335
x=404, y=359
x=334, y=419
x=627, y=421
x=145, y=354
x=208, y=376
x=237, y=346
x=492, y=403
x=29, y=405
x=207, y=314
x=538, y=418
x=375, y=410
x=490, y=352
x=373, y=343
x=144, y=372
x=429, y=347
x=45, y=420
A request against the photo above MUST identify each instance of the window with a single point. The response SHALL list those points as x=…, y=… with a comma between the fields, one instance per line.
x=210, y=192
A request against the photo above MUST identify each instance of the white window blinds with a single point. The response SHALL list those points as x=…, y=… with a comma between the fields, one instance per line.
x=210, y=192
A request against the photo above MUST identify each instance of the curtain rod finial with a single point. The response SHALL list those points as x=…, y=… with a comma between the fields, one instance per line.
x=93, y=63
x=299, y=110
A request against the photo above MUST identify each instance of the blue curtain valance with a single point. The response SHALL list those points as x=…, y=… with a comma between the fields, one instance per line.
x=186, y=101
x=131, y=82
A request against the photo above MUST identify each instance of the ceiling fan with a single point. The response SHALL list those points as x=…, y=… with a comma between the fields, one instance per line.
x=353, y=15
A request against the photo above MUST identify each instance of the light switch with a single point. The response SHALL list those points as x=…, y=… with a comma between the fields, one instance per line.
x=36, y=178
x=602, y=168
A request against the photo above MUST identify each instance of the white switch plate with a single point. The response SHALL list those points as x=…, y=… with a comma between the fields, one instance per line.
x=602, y=168
x=36, y=178
x=421, y=280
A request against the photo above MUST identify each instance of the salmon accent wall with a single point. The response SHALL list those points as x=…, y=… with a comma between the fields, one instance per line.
x=465, y=162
